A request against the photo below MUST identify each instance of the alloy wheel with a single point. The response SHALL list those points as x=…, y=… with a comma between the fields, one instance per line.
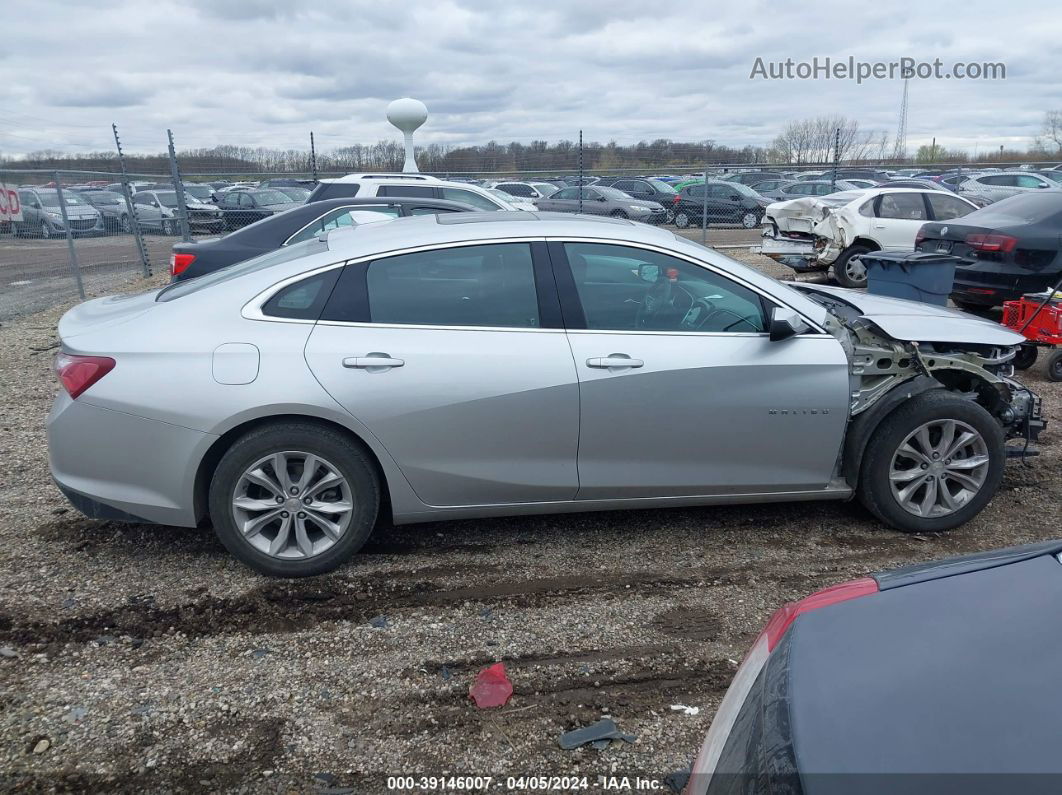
x=938, y=468
x=750, y=221
x=855, y=270
x=292, y=505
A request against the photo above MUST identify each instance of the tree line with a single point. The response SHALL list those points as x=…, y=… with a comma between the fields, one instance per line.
x=813, y=141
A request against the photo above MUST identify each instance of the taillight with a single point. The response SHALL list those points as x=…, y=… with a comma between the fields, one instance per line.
x=1004, y=243
x=787, y=613
x=78, y=373
x=179, y=262
x=920, y=237
x=676, y=199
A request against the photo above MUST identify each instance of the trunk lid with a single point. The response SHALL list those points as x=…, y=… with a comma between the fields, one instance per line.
x=104, y=312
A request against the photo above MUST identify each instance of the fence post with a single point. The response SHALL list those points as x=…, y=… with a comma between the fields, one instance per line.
x=313, y=158
x=69, y=238
x=704, y=210
x=836, y=159
x=178, y=186
x=580, y=171
x=134, y=219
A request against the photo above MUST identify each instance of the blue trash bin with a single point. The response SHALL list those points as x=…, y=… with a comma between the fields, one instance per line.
x=915, y=275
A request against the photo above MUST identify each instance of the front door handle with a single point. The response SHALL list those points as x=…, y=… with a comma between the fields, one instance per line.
x=374, y=362
x=614, y=361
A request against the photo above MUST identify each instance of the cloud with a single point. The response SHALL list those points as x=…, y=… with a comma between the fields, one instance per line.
x=266, y=72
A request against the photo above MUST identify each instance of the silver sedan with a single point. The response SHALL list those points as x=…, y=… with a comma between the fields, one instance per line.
x=477, y=365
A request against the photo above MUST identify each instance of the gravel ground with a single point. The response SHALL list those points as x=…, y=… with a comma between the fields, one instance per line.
x=145, y=658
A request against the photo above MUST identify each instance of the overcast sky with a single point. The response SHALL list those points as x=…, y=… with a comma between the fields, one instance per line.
x=266, y=72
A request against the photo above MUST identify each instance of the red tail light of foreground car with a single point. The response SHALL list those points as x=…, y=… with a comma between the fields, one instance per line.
x=78, y=373
x=747, y=673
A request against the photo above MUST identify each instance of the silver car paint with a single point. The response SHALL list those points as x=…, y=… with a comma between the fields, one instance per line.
x=156, y=415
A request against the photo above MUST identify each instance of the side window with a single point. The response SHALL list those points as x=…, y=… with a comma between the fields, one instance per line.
x=490, y=285
x=908, y=206
x=335, y=220
x=866, y=209
x=303, y=300
x=1028, y=181
x=418, y=191
x=469, y=197
x=629, y=289
x=246, y=200
x=946, y=207
x=696, y=191
x=565, y=193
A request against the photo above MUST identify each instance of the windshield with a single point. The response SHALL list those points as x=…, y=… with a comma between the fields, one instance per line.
x=103, y=197
x=271, y=197
x=167, y=198
x=253, y=265
x=612, y=193
x=199, y=191
x=545, y=188
x=743, y=189
x=294, y=192
x=663, y=187
x=50, y=198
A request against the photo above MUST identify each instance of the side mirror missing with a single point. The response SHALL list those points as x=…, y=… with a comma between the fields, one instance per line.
x=786, y=323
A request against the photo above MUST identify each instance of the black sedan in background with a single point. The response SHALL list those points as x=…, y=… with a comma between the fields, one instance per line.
x=936, y=678
x=727, y=202
x=301, y=223
x=1002, y=251
x=243, y=207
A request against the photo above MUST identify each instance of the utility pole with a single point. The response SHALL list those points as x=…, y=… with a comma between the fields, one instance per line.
x=134, y=219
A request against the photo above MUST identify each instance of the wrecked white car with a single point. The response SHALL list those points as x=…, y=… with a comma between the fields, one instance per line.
x=823, y=232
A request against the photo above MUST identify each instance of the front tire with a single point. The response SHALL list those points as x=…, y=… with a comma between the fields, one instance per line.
x=848, y=270
x=750, y=220
x=932, y=464
x=294, y=499
x=682, y=219
x=1025, y=357
x=169, y=227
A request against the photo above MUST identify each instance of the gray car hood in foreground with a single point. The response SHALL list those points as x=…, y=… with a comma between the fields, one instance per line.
x=912, y=321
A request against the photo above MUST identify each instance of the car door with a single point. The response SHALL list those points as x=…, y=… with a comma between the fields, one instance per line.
x=148, y=214
x=724, y=203
x=681, y=390
x=595, y=202
x=456, y=361
x=897, y=218
x=558, y=202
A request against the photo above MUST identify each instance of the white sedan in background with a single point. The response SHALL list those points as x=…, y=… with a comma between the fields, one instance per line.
x=823, y=232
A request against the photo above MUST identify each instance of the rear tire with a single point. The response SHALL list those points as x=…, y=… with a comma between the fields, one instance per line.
x=296, y=441
x=848, y=273
x=887, y=471
x=682, y=219
x=1025, y=357
x=750, y=220
x=1054, y=366
x=169, y=227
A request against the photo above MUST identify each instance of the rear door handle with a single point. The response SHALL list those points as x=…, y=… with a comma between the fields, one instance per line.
x=373, y=362
x=614, y=361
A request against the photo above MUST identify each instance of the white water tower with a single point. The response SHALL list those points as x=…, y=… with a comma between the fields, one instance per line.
x=407, y=115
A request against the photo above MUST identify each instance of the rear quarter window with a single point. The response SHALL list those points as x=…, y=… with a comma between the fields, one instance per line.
x=303, y=300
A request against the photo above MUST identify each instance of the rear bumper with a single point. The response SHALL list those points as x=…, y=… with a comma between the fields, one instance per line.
x=991, y=288
x=120, y=466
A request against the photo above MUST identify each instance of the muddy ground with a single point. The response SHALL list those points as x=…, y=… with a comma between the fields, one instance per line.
x=145, y=658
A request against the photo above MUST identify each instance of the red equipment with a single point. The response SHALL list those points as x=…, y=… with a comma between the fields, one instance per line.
x=1037, y=316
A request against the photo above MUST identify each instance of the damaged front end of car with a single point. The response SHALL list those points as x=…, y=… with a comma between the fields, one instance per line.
x=971, y=358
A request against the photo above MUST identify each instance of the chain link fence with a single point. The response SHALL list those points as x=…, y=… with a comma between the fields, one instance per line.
x=66, y=234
